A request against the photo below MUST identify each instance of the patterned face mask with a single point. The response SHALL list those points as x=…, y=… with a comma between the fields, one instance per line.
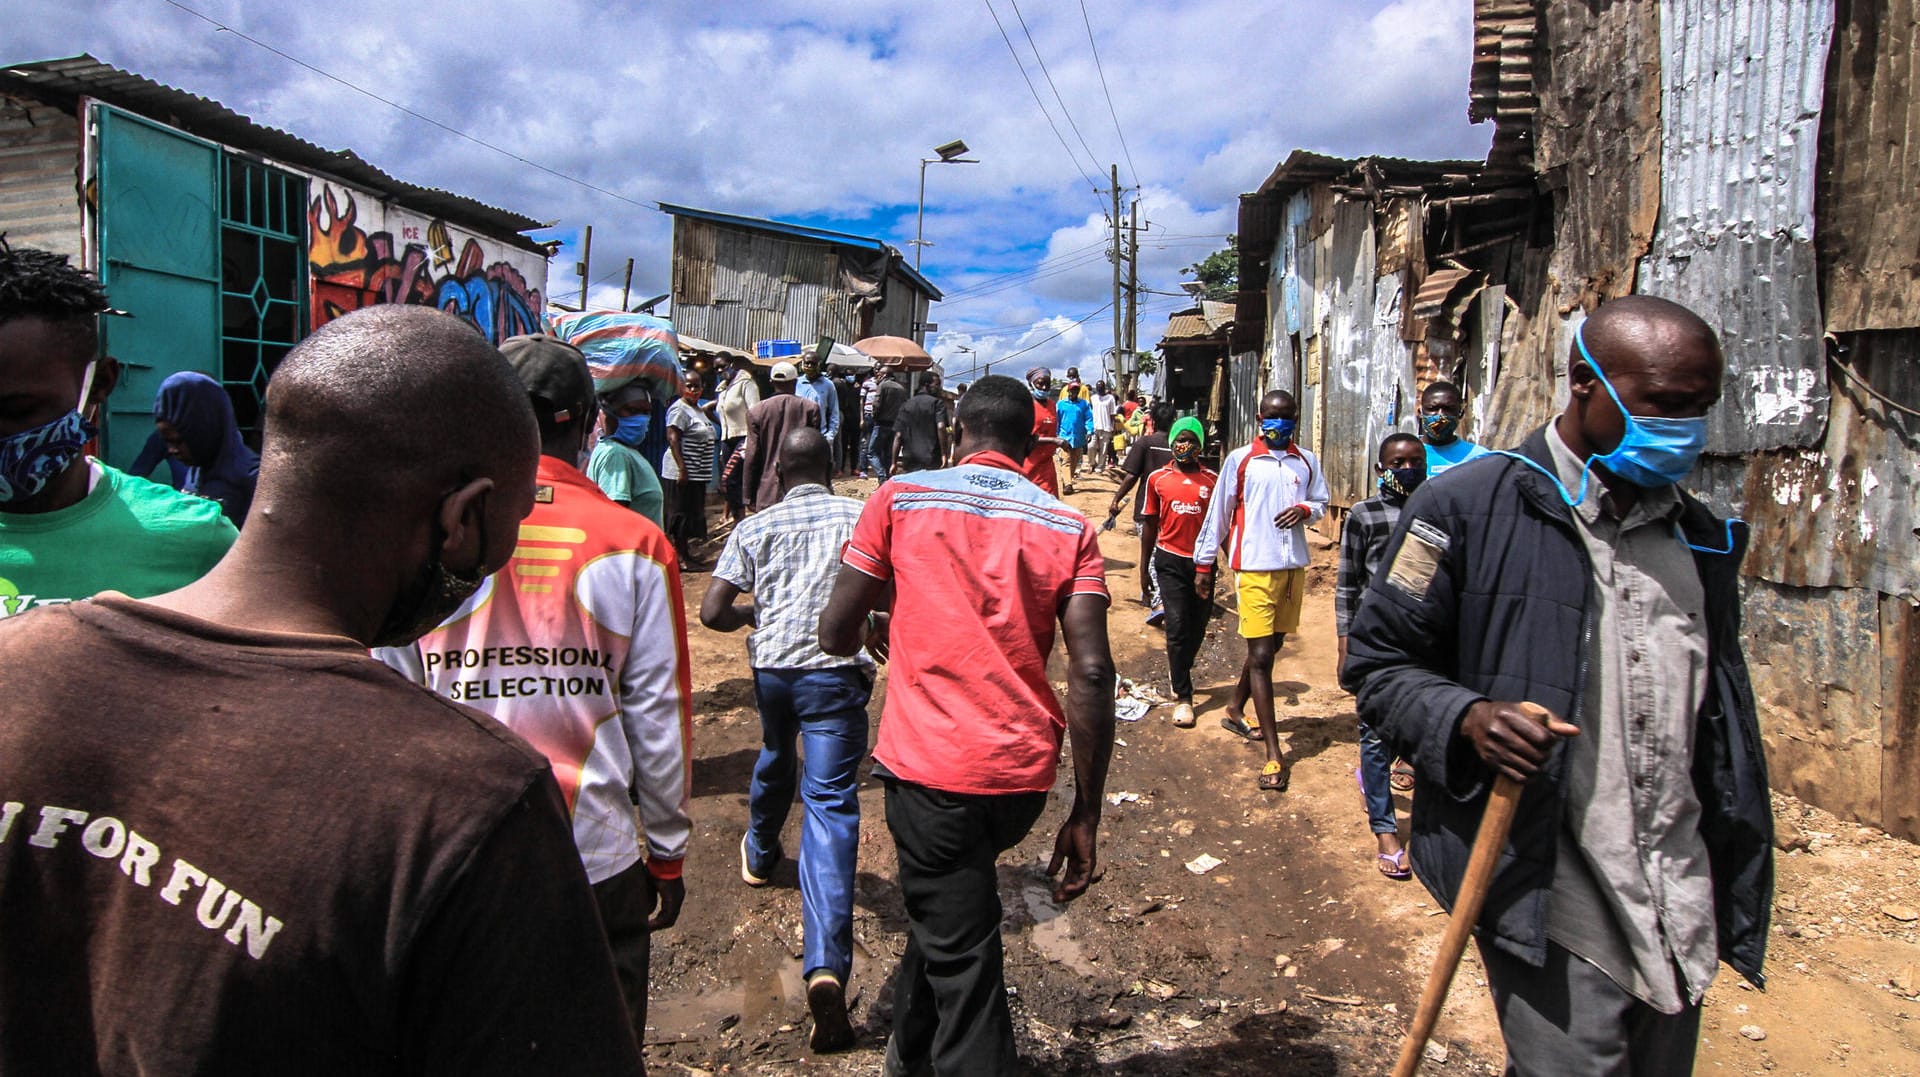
x=30, y=459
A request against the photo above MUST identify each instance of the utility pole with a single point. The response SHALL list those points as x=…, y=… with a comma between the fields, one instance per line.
x=626, y=289
x=586, y=263
x=1133, y=293
x=1114, y=369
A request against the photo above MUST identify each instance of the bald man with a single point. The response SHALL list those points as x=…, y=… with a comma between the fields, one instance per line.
x=1575, y=574
x=580, y=646
x=231, y=841
x=786, y=558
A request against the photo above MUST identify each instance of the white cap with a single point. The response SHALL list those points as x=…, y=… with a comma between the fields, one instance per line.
x=785, y=371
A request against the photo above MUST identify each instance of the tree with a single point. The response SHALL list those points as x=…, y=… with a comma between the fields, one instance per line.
x=1219, y=271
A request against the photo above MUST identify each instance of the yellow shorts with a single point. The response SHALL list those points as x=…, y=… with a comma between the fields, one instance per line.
x=1270, y=602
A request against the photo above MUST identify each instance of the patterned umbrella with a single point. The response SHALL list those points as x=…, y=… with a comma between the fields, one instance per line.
x=621, y=347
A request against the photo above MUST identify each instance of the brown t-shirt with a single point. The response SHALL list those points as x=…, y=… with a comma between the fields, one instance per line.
x=226, y=851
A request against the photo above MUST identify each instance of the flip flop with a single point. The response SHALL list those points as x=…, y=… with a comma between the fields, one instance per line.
x=1401, y=778
x=1240, y=727
x=1394, y=865
x=1274, y=777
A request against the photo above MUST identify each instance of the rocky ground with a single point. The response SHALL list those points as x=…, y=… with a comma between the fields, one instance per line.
x=1292, y=957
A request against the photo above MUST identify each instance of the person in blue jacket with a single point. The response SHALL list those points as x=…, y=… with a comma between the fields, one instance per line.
x=195, y=431
x=1076, y=427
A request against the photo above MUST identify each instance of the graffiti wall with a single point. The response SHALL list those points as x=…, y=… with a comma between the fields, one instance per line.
x=361, y=251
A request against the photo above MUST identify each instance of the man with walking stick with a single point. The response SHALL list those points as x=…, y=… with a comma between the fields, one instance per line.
x=1576, y=575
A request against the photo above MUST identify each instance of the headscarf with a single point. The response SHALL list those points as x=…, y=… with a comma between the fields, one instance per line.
x=224, y=468
x=1034, y=374
x=1187, y=424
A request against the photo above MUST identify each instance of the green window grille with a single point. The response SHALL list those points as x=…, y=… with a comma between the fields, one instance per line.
x=263, y=279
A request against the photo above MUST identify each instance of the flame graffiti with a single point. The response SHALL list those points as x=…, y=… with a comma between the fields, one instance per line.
x=352, y=269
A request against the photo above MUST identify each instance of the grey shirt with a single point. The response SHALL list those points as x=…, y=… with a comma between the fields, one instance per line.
x=1632, y=892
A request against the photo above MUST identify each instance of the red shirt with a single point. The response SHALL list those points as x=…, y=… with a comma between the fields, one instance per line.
x=1179, y=500
x=1039, y=466
x=983, y=562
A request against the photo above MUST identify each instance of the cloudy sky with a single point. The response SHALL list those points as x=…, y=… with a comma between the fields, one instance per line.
x=819, y=111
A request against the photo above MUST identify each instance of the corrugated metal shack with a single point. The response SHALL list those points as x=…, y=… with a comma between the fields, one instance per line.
x=1751, y=158
x=229, y=241
x=1193, y=372
x=738, y=280
x=1363, y=280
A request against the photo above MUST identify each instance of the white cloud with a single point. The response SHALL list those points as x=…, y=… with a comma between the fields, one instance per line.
x=822, y=109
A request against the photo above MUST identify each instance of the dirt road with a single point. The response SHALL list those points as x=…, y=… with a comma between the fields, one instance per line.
x=1293, y=957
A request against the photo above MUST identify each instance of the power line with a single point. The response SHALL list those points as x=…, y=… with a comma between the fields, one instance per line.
x=1103, y=89
x=1063, y=332
x=1081, y=262
x=556, y=173
x=1062, y=256
x=1064, y=111
x=1015, y=53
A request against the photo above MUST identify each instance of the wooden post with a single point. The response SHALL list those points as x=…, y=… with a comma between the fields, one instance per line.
x=586, y=265
x=626, y=289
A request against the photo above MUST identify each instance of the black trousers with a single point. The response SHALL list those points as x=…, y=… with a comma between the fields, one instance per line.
x=686, y=512
x=1186, y=622
x=950, y=995
x=625, y=901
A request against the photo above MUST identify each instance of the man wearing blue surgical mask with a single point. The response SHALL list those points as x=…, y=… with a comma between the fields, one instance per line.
x=616, y=466
x=1268, y=493
x=1575, y=574
x=70, y=526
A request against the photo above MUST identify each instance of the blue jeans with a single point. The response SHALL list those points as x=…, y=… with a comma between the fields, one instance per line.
x=1376, y=781
x=825, y=711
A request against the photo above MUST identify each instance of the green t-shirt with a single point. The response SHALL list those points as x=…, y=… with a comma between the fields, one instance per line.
x=625, y=476
x=128, y=535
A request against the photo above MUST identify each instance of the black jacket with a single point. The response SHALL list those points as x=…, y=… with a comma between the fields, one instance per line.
x=1505, y=617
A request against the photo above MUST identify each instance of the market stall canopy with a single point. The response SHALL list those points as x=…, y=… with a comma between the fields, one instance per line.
x=707, y=347
x=846, y=357
x=621, y=347
x=896, y=352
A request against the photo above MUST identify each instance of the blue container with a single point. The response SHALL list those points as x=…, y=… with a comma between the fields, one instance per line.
x=777, y=349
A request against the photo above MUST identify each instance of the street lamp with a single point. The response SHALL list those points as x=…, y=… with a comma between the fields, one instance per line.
x=951, y=153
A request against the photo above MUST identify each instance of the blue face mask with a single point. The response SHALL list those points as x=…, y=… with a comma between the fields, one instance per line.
x=1277, y=432
x=1653, y=452
x=31, y=458
x=632, y=430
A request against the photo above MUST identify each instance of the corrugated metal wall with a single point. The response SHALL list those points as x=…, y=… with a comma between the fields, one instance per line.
x=1870, y=146
x=1741, y=84
x=735, y=287
x=39, y=185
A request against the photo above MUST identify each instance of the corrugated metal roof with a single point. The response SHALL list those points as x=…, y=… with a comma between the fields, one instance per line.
x=75, y=77
x=1216, y=315
x=1741, y=90
x=805, y=231
x=1187, y=325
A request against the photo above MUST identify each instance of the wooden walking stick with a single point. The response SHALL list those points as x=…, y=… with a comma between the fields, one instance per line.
x=1487, y=843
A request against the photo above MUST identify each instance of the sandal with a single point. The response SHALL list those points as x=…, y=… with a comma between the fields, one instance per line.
x=1402, y=776
x=1394, y=865
x=1240, y=727
x=1274, y=776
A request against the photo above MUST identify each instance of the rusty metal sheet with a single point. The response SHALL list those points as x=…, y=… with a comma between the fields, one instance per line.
x=39, y=169
x=1847, y=514
x=1394, y=237
x=1349, y=294
x=1533, y=346
x=1870, y=146
x=1741, y=87
x=1597, y=143
x=1900, y=716
x=1814, y=657
x=1500, y=82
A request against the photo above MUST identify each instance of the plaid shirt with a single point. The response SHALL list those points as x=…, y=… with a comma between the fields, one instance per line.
x=1363, y=539
x=787, y=558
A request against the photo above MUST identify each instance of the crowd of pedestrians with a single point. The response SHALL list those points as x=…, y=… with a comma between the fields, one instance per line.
x=371, y=752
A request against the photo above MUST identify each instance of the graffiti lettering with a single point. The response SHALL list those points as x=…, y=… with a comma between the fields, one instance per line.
x=352, y=268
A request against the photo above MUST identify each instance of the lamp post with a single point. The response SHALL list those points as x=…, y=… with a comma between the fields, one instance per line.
x=951, y=153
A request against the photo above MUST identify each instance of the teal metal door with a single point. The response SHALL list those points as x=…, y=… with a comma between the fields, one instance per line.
x=159, y=213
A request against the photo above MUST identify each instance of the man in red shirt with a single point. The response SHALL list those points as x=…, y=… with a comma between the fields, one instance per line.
x=1037, y=463
x=1177, y=497
x=981, y=564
